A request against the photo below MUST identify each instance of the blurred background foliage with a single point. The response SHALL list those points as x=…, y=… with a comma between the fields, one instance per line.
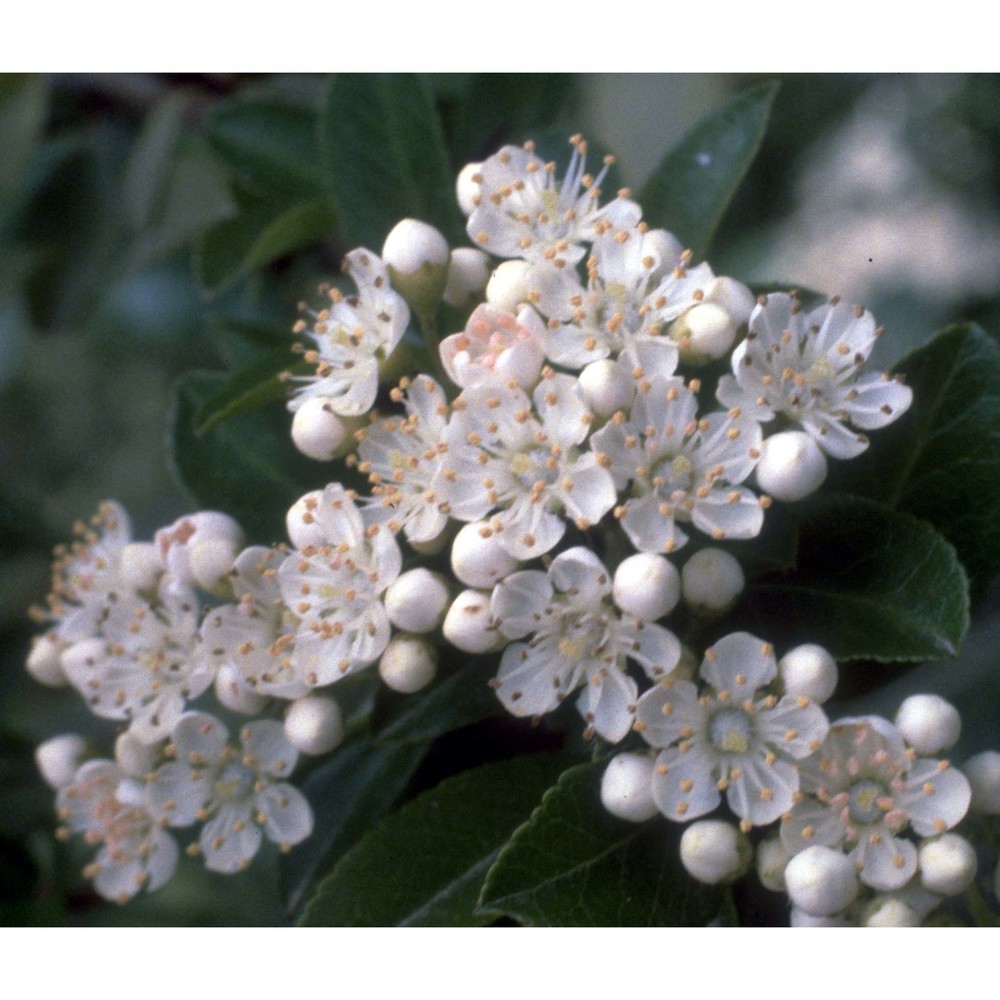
x=151, y=226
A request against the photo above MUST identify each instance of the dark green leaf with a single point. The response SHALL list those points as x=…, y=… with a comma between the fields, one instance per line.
x=242, y=341
x=350, y=792
x=385, y=156
x=692, y=187
x=871, y=583
x=254, y=386
x=425, y=864
x=24, y=103
x=941, y=460
x=573, y=864
x=245, y=466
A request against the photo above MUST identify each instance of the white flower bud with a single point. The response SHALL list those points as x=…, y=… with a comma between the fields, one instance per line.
x=467, y=624
x=466, y=189
x=135, y=758
x=317, y=431
x=436, y=544
x=733, y=296
x=233, y=692
x=887, y=911
x=140, y=565
x=478, y=559
x=219, y=539
x=408, y=664
x=809, y=671
x=301, y=524
x=44, y=661
x=59, y=758
x=509, y=286
x=416, y=257
x=666, y=248
x=983, y=772
x=627, y=787
x=821, y=881
x=468, y=273
x=210, y=561
x=791, y=466
x=772, y=859
x=646, y=585
x=314, y=725
x=928, y=723
x=416, y=601
x=705, y=332
x=77, y=661
x=711, y=580
x=799, y=918
x=607, y=387
x=947, y=864
x=715, y=851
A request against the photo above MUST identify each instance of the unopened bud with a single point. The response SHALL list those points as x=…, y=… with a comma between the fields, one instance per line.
x=416, y=601
x=809, y=671
x=509, y=286
x=792, y=466
x=59, y=758
x=408, y=664
x=705, y=332
x=468, y=274
x=983, y=772
x=317, y=431
x=478, y=559
x=314, y=725
x=466, y=189
x=733, y=296
x=416, y=257
x=219, y=539
x=627, y=789
x=711, y=581
x=606, y=387
x=647, y=586
x=887, y=911
x=928, y=723
x=947, y=864
x=140, y=567
x=44, y=661
x=715, y=851
x=821, y=881
x=772, y=859
x=467, y=625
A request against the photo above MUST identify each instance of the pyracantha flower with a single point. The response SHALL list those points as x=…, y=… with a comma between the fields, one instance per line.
x=682, y=469
x=729, y=738
x=401, y=455
x=862, y=789
x=335, y=586
x=517, y=462
x=255, y=635
x=496, y=345
x=105, y=805
x=578, y=639
x=807, y=366
x=240, y=795
x=521, y=210
x=353, y=336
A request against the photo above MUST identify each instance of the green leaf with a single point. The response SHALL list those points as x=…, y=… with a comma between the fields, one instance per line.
x=242, y=341
x=256, y=385
x=941, y=460
x=692, y=187
x=245, y=466
x=24, y=105
x=426, y=863
x=573, y=864
x=870, y=583
x=351, y=791
x=385, y=157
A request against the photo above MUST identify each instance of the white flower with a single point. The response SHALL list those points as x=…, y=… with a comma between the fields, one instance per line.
x=238, y=794
x=729, y=738
x=197, y=550
x=682, y=469
x=578, y=639
x=105, y=806
x=808, y=367
x=521, y=463
x=401, y=456
x=521, y=210
x=335, y=589
x=861, y=790
x=352, y=337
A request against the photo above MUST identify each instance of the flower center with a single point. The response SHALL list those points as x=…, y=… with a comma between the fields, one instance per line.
x=730, y=731
x=234, y=782
x=863, y=804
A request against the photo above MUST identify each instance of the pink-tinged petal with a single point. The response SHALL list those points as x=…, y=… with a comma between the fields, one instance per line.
x=670, y=712
x=795, y=727
x=762, y=792
x=936, y=797
x=289, y=817
x=518, y=603
x=684, y=784
x=884, y=862
x=607, y=703
x=739, y=663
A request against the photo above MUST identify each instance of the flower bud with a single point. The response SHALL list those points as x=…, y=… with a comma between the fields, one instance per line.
x=809, y=671
x=314, y=725
x=233, y=692
x=468, y=273
x=317, y=431
x=715, y=851
x=887, y=911
x=647, y=586
x=509, y=286
x=705, y=332
x=733, y=296
x=416, y=257
x=606, y=387
x=666, y=249
x=772, y=859
x=799, y=918
x=416, y=601
x=791, y=466
x=78, y=660
x=216, y=538
x=44, y=661
x=821, y=881
x=59, y=758
x=408, y=664
x=947, y=864
x=466, y=189
x=134, y=758
x=140, y=567
x=436, y=544
x=711, y=580
x=301, y=524
x=467, y=625
x=983, y=772
x=928, y=723
x=627, y=787
x=478, y=559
